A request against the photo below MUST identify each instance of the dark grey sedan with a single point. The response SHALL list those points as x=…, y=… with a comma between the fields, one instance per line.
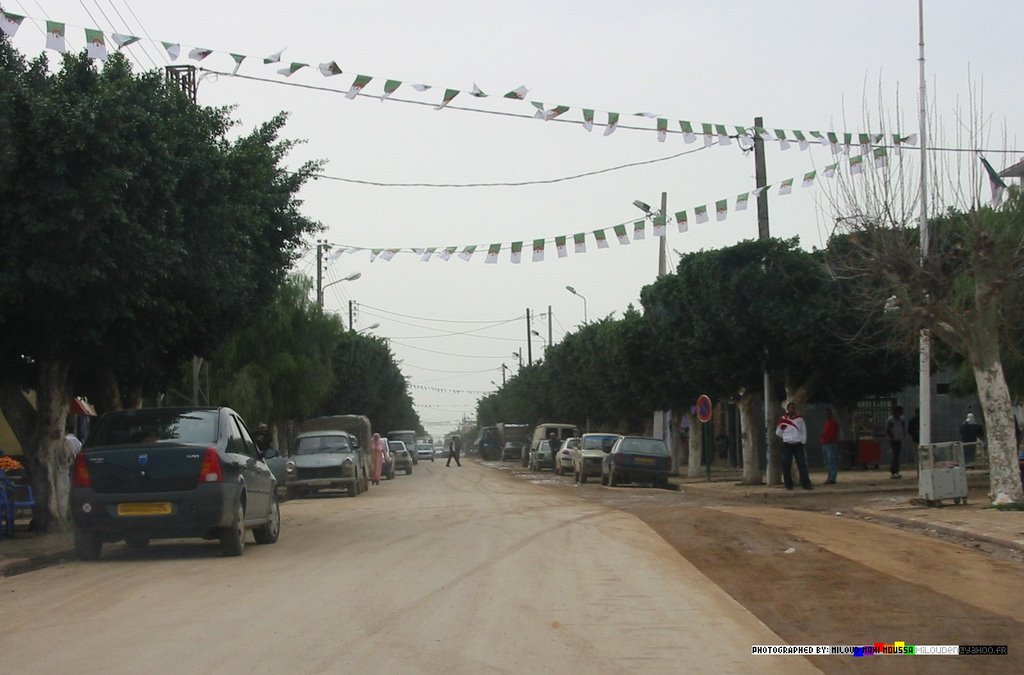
x=637, y=459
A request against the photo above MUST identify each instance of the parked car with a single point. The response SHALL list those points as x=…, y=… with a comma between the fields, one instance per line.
x=407, y=436
x=401, y=458
x=589, y=454
x=283, y=469
x=324, y=460
x=541, y=457
x=159, y=473
x=543, y=432
x=425, y=451
x=636, y=459
x=563, y=458
x=513, y=450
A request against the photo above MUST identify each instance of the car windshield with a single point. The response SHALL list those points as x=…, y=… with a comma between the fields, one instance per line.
x=598, y=442
x=314, y=445
x=152, y=425
x=643, y=446
x=396, y=446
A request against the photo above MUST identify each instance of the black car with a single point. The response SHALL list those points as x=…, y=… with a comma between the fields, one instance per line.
x=636, y=459
x=159, y=473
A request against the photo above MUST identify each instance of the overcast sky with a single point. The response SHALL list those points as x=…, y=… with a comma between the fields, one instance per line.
x=801, y=64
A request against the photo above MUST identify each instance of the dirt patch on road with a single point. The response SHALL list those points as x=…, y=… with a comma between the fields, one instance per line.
x=810, y=595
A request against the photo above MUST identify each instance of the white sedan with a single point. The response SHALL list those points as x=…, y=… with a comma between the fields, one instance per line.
x=425, y=451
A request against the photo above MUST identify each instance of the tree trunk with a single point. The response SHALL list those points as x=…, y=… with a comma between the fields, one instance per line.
x=774, y=449
x=1000, y=438
x=679, y=452
x=748, y=431
x=696, y=446
x=51, y=461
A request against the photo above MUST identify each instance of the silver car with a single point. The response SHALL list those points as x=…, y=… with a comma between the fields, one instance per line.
x=541, y=457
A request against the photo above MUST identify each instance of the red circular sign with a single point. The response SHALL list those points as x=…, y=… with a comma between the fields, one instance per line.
x=704, y=408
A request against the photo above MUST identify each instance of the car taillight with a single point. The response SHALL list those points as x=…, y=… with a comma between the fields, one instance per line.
x=210, y=471
x=80, y=473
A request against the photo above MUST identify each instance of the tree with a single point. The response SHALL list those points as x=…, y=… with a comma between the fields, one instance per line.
x=134, y=233
x=960, y=292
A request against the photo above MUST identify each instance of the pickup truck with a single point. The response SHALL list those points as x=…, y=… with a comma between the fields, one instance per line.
x=160, y=473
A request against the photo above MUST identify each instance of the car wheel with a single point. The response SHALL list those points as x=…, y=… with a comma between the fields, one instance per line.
x=292, y=493
x=408, y=472
x=136, y=541
x=612, y=481
x=232, y=537
x=352, y=489
x=604, y=478
x=271, y=530
x=88, y=545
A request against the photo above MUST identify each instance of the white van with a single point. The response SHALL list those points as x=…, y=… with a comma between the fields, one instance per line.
x=542, y=431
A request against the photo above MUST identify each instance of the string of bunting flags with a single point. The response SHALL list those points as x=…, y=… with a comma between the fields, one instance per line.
x=840, y=142
x=443, y=390
x=878, y=158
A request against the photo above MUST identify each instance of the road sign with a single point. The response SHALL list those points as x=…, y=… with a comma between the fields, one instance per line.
x=704, y=408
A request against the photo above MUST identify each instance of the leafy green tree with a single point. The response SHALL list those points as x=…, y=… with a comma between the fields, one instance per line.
x=135, y=235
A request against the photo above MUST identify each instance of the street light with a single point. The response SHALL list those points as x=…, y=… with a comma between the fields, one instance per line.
x=320, y=291
x=541, y=338
x=370, y=327
x=578, y=295
x=662, y=249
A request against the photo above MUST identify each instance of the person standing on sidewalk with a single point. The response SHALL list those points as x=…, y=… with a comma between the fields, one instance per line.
x=895, y=431
x=792, y=429
x=830, y=446
x=454, y=447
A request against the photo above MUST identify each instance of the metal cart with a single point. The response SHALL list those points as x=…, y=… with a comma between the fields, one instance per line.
x=942, y=473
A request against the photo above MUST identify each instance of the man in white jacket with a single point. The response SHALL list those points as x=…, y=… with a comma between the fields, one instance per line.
x=792, y=430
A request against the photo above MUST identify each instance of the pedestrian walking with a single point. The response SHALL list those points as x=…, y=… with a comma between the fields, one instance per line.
x=896, y=432
x=971, y=434
x=830, y=446
x=377, y=445
x=792, y=429
x=454, y=448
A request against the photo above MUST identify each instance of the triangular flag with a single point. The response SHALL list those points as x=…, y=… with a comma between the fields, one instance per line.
x=492, y=253
x=55, y=36
x=801, y=139
x=580, y=239
x=95, y=45
x=538, y=250
x=830, y=170
x=687, y=129
x=390, y=87
x=173, y=49
x=613, y=124
x=374, y=252
x=786, y=186
x=9, y=23
x=995, y=181
x=420, y=87
x=741, y=201
x=337, y=253
x=540, y=114
x=357, y=86
x=881, y=157
x=199, y=53
x=449, y=94
x=426, y=254
x=560, y=246
x=601, y=238
x=238, y=62
x=857, y=164
x=519, y=93
x=659, y=225
x=721, y=209
x=639, y=229
x=588, y=119
x=274, y=58
x=701, y=212
x=662, y=129
x=809, y=179
x=291, y=69
x=388, y=254
x=555, y=112
x=468, y=252
x=745, y=142
x=448, y=252
x=477, y=92
x=723, y=135
x=756, y=192
x=818, y=136
x=620, y=232
x=681, y=221
x=329, y=69
x=517, y=246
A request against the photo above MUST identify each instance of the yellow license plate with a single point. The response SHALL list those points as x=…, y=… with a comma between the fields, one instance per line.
x=144, y=509
x=644, y=460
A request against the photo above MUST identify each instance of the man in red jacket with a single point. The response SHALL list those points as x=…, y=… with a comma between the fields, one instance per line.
x=830, y=446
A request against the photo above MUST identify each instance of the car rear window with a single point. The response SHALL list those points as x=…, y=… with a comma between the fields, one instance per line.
x=644, y=446
x=598, y=442
x=314, y=445
x=152, y=425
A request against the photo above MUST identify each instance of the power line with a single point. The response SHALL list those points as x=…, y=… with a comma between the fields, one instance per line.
x=423, y=318
x=434, y=351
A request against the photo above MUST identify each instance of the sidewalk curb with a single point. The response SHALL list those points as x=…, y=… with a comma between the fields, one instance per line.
x=15, y=566
x=943, y=528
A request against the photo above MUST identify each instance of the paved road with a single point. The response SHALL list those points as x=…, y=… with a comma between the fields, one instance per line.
x=453, y=570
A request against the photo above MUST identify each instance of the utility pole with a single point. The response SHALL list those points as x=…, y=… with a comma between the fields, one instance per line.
x=351, y=324
x=924, y=381
x=503, y=369
x=663, y=248
x=761, y=180
x=529, y=340
x=549, y=327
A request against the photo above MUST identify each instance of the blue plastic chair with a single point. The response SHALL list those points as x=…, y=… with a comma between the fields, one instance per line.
x=6, y=520
x=17, y=497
